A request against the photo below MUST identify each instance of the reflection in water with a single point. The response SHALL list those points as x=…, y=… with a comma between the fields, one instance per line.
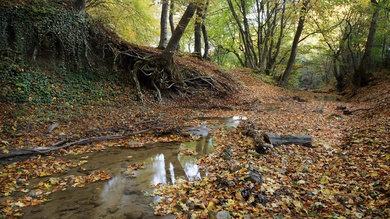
x=164, y=164
x=160, y=175
x=180, y=165
x=172, y=171
x=192, y=171
x=203, y=147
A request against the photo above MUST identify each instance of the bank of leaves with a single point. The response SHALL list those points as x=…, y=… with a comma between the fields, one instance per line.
x=344, y=174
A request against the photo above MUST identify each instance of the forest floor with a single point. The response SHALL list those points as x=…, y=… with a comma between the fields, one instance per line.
x=345, y=174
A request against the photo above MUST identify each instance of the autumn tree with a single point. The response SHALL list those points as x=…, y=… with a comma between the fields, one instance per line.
x=133, y=20
x=361, y=76
x=170, y=17
x=168, y=53
x=341, y=28
x=294, y=48
x=164, y=24
x=200, y=29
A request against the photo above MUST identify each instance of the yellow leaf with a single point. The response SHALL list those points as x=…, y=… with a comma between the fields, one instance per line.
x=18, y=214
x=231, y=202
x=20, y=204
x=298, y=205
x=53, y=181
x=210, y=206
x=326, y=191
x=5, y=151
x=324, y=179
x=374, y=174
x=47, y=186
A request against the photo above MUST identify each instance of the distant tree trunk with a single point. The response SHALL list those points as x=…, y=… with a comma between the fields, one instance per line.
x=361, y=75
x=338, y=74
x=200, y=29
x=169, y=51
x=171, y=10
x=205, y=34
x=206, y=43
x=164, y=25
x=294, y=48
x=79, y=5
x=274, y=52
x=250, y=55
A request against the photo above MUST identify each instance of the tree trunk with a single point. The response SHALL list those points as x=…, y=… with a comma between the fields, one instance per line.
x=164, y=25
x=198, y=31
x=79, y=5
x=171, y=10
x=294, y=48
x=260, y=46
x=244, y=34
x=206, y=43
x=273, y=56
x=167, y=55
x=361, y=76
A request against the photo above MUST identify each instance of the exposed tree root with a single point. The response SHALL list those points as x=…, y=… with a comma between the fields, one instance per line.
x=147, y=70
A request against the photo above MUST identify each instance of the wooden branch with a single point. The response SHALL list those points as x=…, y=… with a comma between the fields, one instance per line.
x=349, y=112
x=62, y=144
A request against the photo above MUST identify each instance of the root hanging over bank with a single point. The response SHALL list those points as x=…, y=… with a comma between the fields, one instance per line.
x=183, y=77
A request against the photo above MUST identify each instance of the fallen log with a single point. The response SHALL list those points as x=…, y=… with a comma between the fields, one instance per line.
x=268, y=141
x=277, y=140
x=264, y=141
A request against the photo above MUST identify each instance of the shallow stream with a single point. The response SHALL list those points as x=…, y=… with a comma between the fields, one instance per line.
x=125, y=195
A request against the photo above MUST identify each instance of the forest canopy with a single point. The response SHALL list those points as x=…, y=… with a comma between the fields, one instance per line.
x=305, y=43
x=259, y=34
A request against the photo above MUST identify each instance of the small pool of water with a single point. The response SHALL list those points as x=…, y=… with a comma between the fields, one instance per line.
x=164, y=166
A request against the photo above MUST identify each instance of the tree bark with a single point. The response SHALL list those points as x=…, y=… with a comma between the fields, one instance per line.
x=294, y=48
x=171, y=10
x=274, y=51
x=79, y=5
x=278, y=140
x=198, y=31
x=164, y=25
x=244, y=34
x=167, y=55
x=361, y=76
x=206, y=43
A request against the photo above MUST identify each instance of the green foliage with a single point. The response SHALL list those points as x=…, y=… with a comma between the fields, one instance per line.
x=134, y=20
x=40, y=31
x=21, y=84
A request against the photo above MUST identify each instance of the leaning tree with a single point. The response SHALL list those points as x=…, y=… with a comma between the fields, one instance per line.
x=162, y=72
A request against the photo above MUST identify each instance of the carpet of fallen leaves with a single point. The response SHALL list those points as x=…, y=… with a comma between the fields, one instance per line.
x=344, y=175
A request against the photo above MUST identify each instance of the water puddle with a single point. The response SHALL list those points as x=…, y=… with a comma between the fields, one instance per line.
x=163, y=165
x=123, y=196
